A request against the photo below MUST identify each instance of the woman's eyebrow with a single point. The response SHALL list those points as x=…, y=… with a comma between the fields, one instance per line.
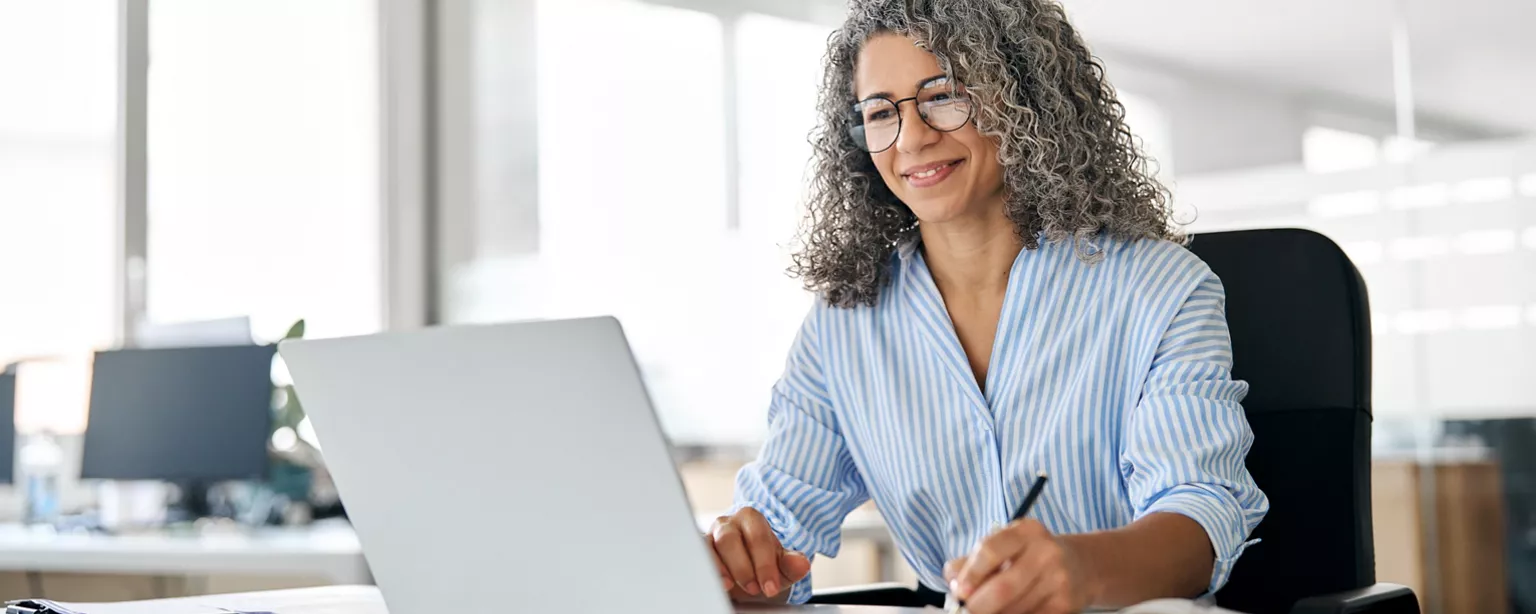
x=920, y=85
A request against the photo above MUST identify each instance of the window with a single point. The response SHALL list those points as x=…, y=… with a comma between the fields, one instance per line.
x=263, y=164
x=707, y=307
x=647, y=243
x=643, y=239
x=58, y=218
x=779, y=74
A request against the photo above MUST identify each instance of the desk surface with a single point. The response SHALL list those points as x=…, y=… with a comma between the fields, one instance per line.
x=366, y=600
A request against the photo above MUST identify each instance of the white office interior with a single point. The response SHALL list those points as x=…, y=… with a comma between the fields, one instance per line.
x=180, y=172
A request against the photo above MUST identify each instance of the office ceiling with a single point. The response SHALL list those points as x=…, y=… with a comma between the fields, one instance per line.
x=1474, y=60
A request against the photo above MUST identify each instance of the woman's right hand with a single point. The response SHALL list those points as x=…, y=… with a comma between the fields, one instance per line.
x=754, y=566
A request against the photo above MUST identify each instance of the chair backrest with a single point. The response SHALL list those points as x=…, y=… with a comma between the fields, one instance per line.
x=1301, y=337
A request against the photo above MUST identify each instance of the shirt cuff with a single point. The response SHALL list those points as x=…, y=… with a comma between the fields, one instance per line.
x=792, y=538
x=800, y=593
x=1216, y=511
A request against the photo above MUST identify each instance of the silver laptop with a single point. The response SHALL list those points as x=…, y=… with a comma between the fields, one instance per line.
x=507, y=468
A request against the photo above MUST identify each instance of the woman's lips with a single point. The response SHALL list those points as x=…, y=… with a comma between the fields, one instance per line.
x=932, y=176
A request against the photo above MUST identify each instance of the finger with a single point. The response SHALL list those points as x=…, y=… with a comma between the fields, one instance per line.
x=732, y=548
x=1001, y=592
x=952, y=568
x=794, y=566
x=725, y=574
x=993, y=552
x=1050, y=592
x=1049, y=588
x=764, y=548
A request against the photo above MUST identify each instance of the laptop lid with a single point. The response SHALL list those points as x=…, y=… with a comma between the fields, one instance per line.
x=514, y=467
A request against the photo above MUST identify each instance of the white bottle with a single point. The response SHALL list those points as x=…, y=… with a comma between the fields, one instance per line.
x=42, y=464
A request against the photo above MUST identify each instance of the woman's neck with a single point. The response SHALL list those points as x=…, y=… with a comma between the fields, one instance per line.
x=971, y=256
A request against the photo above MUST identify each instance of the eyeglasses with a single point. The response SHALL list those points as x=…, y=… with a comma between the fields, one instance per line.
x=876, y=121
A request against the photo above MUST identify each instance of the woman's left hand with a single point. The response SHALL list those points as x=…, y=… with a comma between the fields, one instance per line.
x=1021, y=569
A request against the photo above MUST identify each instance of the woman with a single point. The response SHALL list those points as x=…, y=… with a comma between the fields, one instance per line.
x=1001, y=295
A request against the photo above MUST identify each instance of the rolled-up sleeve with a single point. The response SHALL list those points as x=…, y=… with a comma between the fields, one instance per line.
x=804, y=480
x=1188, y=439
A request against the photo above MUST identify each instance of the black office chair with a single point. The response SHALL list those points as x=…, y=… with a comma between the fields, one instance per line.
x=1301, y=337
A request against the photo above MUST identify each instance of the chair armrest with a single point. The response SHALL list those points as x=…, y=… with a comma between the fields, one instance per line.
x=1379, y=598
x=892, y=594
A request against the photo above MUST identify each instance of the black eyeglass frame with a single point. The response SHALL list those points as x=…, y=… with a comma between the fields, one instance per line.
x=857, y=127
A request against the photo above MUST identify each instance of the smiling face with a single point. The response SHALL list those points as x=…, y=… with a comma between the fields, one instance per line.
x=941, y=176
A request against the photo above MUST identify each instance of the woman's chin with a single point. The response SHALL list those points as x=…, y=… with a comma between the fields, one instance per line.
x=936, y=211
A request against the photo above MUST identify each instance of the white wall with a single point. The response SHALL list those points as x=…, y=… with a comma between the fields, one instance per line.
x=1215, y=123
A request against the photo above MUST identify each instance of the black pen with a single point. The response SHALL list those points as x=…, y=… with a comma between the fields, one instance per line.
x=1029, y=499
x=1023, y=510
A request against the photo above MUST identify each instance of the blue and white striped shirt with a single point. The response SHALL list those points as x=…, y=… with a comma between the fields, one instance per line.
x=1114, y=377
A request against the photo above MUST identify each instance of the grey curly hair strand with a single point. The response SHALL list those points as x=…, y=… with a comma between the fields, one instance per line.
x=1072, y=169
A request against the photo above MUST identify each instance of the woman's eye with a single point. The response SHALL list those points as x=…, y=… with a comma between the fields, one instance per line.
x=880, y=115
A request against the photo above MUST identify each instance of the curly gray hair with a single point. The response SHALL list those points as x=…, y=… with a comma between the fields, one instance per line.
x=1071, y=168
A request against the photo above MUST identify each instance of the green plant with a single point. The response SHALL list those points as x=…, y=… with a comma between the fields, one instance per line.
x=292, y=412
x=293, y=469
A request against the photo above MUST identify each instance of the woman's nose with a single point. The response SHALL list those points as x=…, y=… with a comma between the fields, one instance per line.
x=915, y=133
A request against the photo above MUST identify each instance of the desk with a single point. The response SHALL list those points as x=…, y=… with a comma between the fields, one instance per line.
x=366, y=600
x=1439, y=529
x=328, y=551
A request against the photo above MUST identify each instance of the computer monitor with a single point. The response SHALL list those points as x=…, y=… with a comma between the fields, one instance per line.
x=192, y=415
x=7, y=426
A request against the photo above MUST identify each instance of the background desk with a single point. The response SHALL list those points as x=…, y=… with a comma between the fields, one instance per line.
x=328, y=551
x=102, y=567
x=94, y=567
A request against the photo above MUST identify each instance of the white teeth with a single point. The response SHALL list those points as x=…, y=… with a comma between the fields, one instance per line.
x=930, y=172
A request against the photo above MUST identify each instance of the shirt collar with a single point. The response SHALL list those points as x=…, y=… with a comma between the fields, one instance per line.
x=906, y=248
